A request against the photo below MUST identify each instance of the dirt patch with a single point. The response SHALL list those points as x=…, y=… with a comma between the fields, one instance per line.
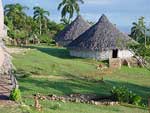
x=17, y=50
x=50, y=77
x=7, y=103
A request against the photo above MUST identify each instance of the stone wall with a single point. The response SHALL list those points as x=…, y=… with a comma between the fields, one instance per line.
x=1, y=56
x=5, y=60
x=105, y=55
x=1, y=20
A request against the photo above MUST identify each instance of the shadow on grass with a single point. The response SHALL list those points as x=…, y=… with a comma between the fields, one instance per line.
x=56, y=52
x=78, y=85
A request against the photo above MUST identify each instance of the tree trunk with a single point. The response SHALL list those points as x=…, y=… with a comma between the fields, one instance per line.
x=40, y=26
x=145, y=38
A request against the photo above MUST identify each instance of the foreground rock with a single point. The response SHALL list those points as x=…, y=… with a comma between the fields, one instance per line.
x=81, y=98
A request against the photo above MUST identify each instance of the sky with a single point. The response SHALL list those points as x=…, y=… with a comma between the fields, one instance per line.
x=120, y=12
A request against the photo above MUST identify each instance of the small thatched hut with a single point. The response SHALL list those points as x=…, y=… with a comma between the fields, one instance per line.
x=101, y=41
x=72, y=31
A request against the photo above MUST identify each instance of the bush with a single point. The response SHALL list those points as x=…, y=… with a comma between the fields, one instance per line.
x=56, y=106
x=46, y=39
x=122, y=94
x=141, y=50
x=15, y=95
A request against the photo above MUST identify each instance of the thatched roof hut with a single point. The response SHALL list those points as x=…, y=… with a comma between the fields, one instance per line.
x=72, y=31
x=99, y=41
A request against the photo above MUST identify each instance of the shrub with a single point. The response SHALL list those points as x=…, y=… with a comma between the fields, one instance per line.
x=15, y=95
x=46, y=39
x=56, y=106
x=122, y=94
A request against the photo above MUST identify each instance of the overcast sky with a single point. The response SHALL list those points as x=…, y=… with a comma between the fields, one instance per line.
x=120, y=12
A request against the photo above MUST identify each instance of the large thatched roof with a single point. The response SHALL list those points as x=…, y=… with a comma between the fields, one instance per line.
x=101, y=36
x=72, y=31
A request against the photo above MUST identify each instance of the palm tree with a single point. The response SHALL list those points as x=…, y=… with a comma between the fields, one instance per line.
x=138, y=31
x=15, y=8
x=65, y=21
x=69, y=7
x=16, y=13
x=41, y=16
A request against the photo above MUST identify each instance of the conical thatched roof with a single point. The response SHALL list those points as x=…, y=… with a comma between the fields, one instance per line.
x=101, y=36
x=72, y=31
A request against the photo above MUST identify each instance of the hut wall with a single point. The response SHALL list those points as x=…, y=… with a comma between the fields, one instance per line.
x=125, y=54
x=92, y=54
x=105, y=55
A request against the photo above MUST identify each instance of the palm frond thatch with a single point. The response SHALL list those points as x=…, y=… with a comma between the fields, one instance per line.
x=73, y=30
x=101, y=36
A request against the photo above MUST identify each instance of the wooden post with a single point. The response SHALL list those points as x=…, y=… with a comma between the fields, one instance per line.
x=149, y=104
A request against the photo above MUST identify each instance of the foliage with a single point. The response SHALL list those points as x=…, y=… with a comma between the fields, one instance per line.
x=122, y=94
x=15, y=95
x=46, y=39
x=68, y=9
x=65, y=21
x=140, y=32
x=16, y=14
x=41, y=17
x=141, y=49
x=53, y=26
x=15, y=19
x=24, y=29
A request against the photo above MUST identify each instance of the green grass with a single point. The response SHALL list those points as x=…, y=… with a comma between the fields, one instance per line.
x=55, y=72
x=59, y=107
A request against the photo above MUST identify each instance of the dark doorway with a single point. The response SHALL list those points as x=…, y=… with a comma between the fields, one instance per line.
x=115, y=53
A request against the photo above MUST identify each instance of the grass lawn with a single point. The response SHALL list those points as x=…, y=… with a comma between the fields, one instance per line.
x=53, y=71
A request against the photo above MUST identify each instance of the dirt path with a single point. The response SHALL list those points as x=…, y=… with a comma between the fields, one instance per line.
x=17, y=50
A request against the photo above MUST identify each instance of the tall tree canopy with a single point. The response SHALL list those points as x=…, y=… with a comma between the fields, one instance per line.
x=138, y=31
x=41, y=16
x=16, y=14
x=68, y=8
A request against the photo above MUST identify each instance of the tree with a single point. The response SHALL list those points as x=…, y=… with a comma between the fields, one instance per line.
x=138, y=31
x=16, y=14
x=15, y=19
x=68, y=8
x=65, y=22
x=41, y=16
